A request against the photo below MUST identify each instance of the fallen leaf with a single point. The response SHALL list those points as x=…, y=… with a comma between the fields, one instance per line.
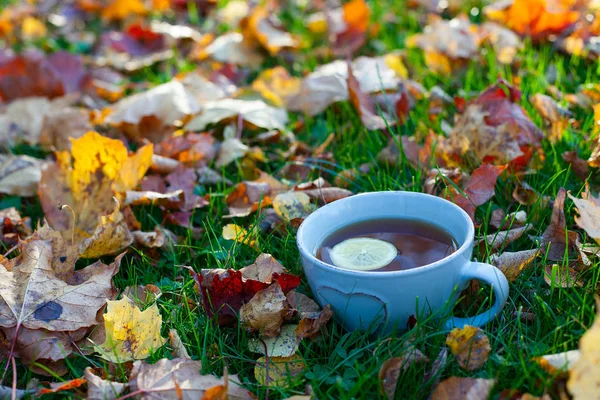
x=110, y=236
x=455, y=388
x=256, y=113
x=470, y=346
x=512, y=264
x=20, y=175
x=537, y=18
x=239, y=234
x=292, y=205
x=150, y=239
x=177, y=345
x=500, y=239
x=101, y=389
x=171, y=200
x=326, y=195
x=311, y=323
x=505, y=42
x=223, y=292
x=278, y=371
x=228, y=48
x=525, y=194
x=301, y=303
x=437, y=367
x=578, y=165
x=553, y=363
x=583, y=378
x=118, y=10
x=283, y=345
x=180, y=379
x=556, y=118
x=479, y=189
x=557, y=242
x=231, y=149
x=392, y=368
x=588, y=208
x=248, y=197
x=131, y=334
x=562, y=276
x=265, y=311
x=61, y=126
x=266, y=29
x=56, y=387
x=276, y=85
x=349, y=35
x=365, y=107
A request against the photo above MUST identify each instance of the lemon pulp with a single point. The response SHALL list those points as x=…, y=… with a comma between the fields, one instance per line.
x=363, y=254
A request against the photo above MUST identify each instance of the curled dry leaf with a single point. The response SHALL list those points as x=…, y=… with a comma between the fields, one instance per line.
x=278, y=371
x=588, y=208
x=180, y=379
x=512, y=264
x=311, y=323
x=455, y=388
x=101, y=389
x=553, y=363
x=525, y=194
x=20, y=175
x=177, y=345
x=283, y=345
x=584, y=376
x=470, y=346
x=500, y=239
x=171, y=200
x=247, y=197
x=325, y=195
x=265, y=311
x=479, y=188
x=131, y=334
x=557, y=242
x=365, y=106
x=150, y=239
x=390, y=370
x=224, y=291
x=265, y=29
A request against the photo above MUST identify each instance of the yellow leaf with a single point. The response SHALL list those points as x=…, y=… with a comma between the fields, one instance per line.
x=584, y=378
x=394, y=61
x=32, y=28
x=470, y=346
x=278, y=371
x=276, y=85
x=239, y=234
x=292, y=205
x=131, y=334
x=134, y=168
x=121, y=9
x=161, y=5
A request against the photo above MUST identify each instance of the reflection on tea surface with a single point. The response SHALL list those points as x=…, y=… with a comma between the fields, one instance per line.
x=418, y=243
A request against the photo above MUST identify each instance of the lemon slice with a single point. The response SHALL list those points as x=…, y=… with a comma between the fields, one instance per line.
x=363, y=254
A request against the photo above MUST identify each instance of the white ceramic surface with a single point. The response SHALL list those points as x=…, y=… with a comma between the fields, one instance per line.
x=383, y=301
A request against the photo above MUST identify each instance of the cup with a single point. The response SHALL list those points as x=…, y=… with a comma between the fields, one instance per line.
x=384, y=301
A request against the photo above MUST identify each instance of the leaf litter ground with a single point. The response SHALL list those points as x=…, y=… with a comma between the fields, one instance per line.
x=221, y=125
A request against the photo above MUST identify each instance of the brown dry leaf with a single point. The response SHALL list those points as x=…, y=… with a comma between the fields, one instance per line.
x=229, y=48
x=180, y=379
x=20, y=175
x=553, y=363
x=536, y=18
x=13, y=228
x=500, y=239
x=505, y=42
x=311, y=323
x=365, y=106
x=470, y=346
x=292, y=205
x=556, y=240
x=349, y=34
x=390, y=370
x=283, y=345
x=266, y=29
x=168, y=102
x=264, y=313
x=525, y=194
x=131, y=334
x=150, y=239
x=455, y=388
x=60, y=126
x=248, y=197
x=327, y=84
x=588, y=208
x=101, y=389
x=301, y=303
x=578, y=165
x=447, y=44
x=325, y=195
x=556, y=118
x=171, y=200
x=437, y=367
x=278, y=371
x=512, y=264
x=584, y=380
x=177, y=345
x=276, y=85
x=562, y=276
x=256, y=113
x=495, y=129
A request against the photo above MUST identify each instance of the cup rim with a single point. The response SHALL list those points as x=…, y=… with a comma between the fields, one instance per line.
x=332, y=268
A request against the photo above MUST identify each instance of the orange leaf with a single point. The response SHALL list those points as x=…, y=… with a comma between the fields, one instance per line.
x=72, y=384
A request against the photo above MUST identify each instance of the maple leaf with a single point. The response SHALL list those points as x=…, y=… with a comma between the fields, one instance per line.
x=131, y=334
x=537, y=18
x=223, y=292
x=180, y=379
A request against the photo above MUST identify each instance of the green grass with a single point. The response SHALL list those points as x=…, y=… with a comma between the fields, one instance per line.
x=342, y=365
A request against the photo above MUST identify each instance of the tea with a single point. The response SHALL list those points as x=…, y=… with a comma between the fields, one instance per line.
x=417, y=243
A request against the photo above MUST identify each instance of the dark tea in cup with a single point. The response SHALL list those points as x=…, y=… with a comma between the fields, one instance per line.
x=390, y=244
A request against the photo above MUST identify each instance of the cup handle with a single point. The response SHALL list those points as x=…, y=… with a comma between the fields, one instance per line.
x=492, y=275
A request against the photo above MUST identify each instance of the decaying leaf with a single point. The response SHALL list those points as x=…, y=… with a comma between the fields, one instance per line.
x=578, y=165
x=301, y=303
x=311, y=323
x=264, y=313
x=131, y=334
x=101, y=389
x=588, y=208
x=150, y=239
x=512, y=264
x=525, y=194
x=562, y=276
x=224, y=292
x=502, y=239
x=177, y=345
x=278, y=371
x=347, y=27
x=292, y=205
x=455, y=388
x=180, y=379
x=584, y=377
x=283, y=345
x=390, y=370
x=470, y=346
x=437, y=367
x=556, y=240
x=20, y=175
x=555, y=117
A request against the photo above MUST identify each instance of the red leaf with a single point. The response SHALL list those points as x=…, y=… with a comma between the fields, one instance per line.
x=479, y=189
